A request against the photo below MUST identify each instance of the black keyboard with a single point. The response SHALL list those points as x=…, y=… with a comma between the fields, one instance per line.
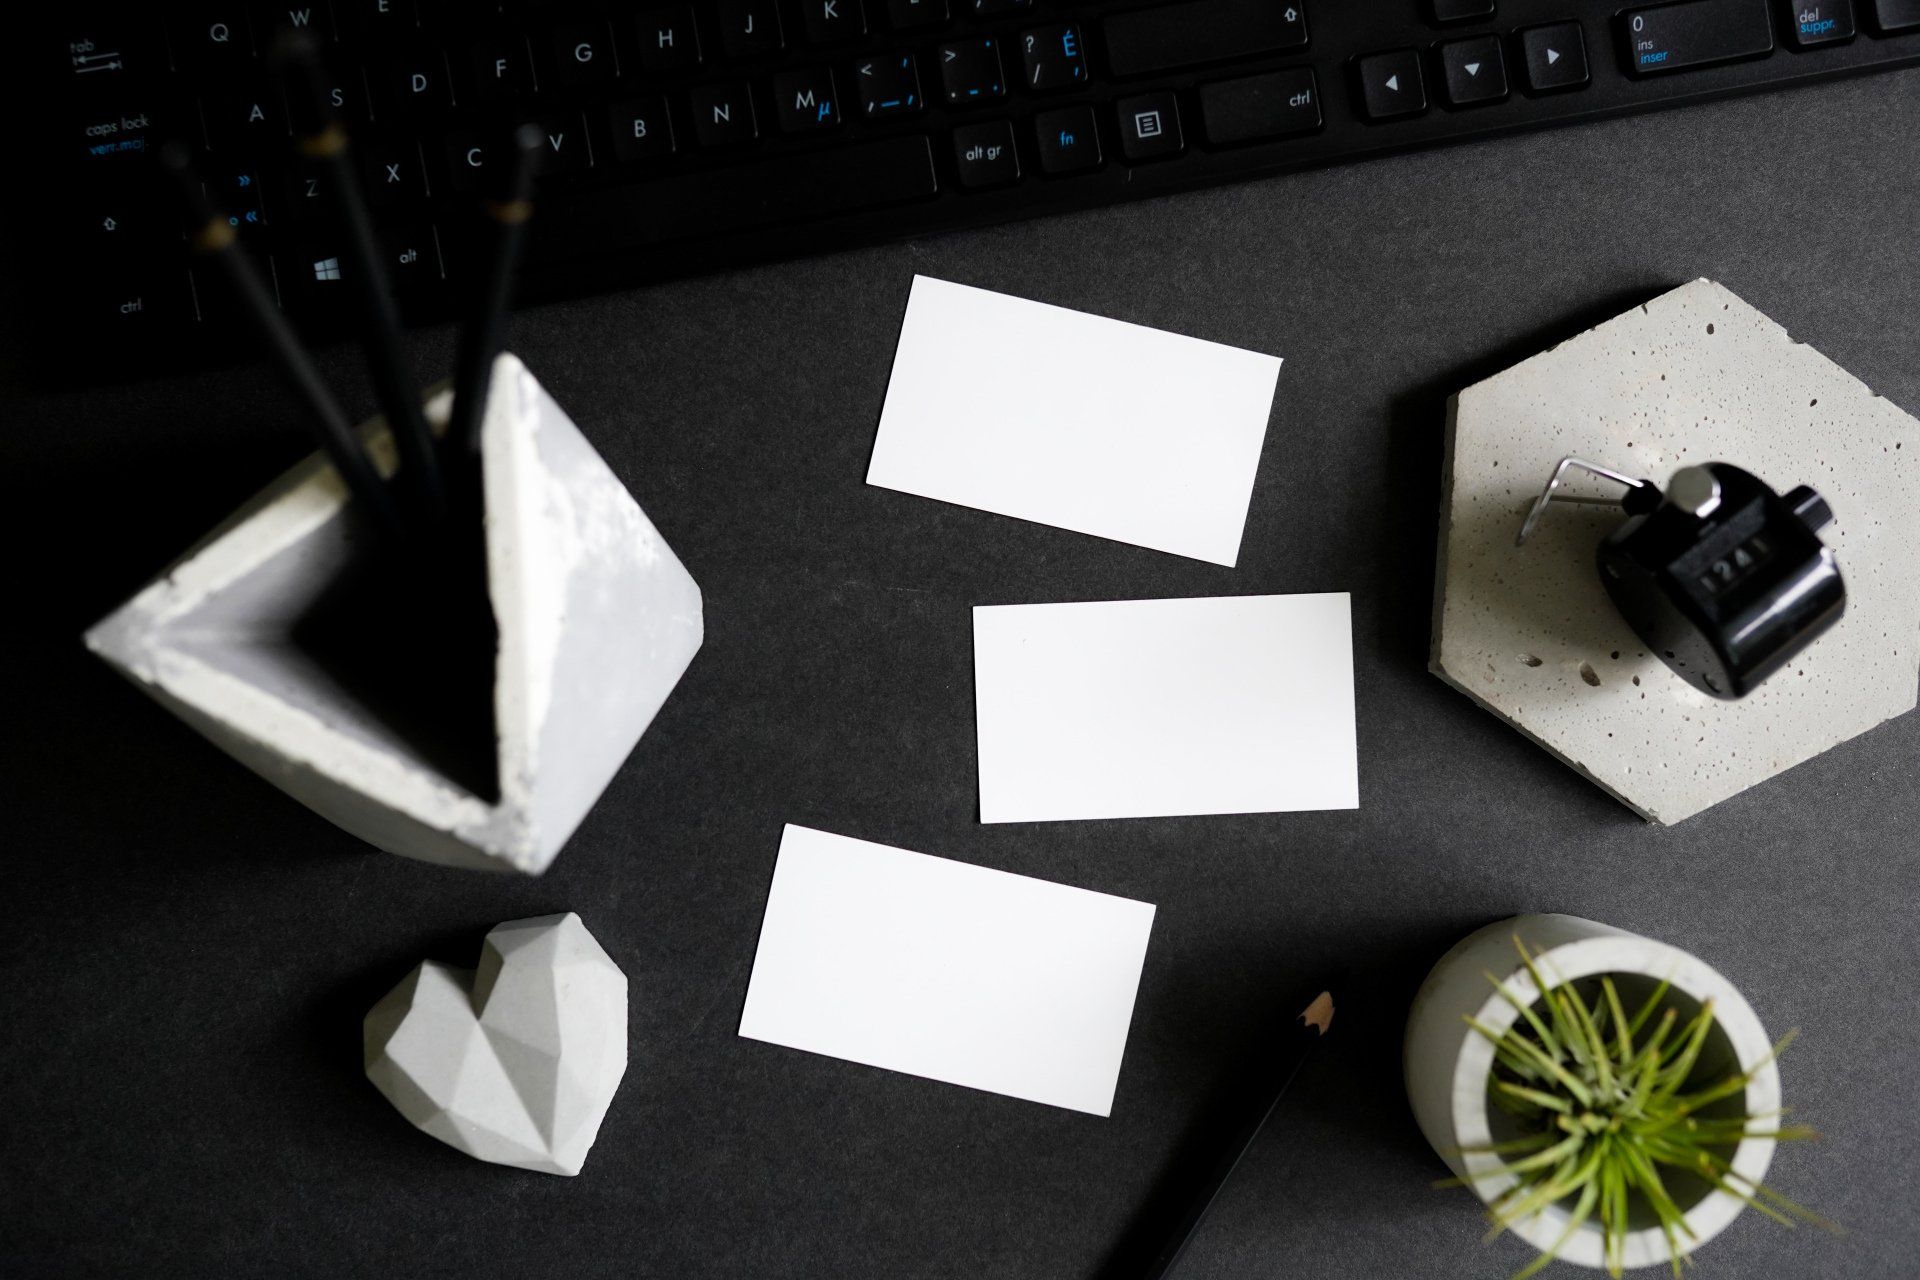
x=683, y=137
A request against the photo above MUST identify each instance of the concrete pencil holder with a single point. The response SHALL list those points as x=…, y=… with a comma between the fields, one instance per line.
x=595, y=616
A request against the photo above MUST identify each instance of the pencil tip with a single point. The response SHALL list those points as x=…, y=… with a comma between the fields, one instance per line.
x=1319, y=1014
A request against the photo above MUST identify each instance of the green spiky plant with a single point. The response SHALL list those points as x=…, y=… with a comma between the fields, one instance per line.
x=1610, y=1108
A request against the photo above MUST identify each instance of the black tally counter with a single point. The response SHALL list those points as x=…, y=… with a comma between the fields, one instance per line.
x=1723, y=578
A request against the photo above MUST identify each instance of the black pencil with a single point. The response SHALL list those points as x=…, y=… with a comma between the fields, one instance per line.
x=506, y=213
x=1309, y=1027
x=323, y=139
x=212, y=237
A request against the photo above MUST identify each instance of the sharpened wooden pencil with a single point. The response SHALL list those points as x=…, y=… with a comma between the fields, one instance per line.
x=506, y=213
x=1309, y=1027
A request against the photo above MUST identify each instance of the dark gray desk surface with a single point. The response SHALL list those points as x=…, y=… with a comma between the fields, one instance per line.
x=187, y=954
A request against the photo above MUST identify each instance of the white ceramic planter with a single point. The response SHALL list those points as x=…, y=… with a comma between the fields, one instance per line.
x=1447, y=1062
x=596, y=621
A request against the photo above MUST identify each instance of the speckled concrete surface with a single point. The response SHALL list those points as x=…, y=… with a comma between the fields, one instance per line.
x=1528, y=632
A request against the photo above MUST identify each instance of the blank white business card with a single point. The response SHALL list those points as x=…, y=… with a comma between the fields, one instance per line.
x=945, y=970
x=1074, y=420
x=1151, y=708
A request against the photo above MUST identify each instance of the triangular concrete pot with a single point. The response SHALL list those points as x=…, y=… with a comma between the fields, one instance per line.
x=597, y=620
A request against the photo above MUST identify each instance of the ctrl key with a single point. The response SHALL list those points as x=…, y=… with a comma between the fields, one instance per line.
x=134, y=299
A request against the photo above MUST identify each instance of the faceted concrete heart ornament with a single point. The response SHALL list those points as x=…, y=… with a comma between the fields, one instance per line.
x=514, y=1062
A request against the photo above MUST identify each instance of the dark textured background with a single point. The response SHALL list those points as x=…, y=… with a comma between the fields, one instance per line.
x=187, y=954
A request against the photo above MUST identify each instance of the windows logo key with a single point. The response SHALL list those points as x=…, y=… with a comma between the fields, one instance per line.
x=326, y=269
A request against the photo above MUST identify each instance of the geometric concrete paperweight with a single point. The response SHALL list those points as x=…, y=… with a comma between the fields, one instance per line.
x=1693, y=376
x=596, y=620
x=514, y=1062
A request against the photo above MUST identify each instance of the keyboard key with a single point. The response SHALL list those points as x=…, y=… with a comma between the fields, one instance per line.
x=749, y=28
x=312, y=16
x=993, y=8
x=104, y=52
x=417, y=82
x=466, y=154
x=985, y=156
x=1054, y=58
x=1257, y=107
x=1473, y=71
x=1461, y=10
x=832, y=21
x=888, y=84
x=343, y=93
x=1697, y=33
x=907, y=15
x=1391, y=86
x=250, y=118
x=567, y=149
x=215, y=300
x=308, y=196
x=805, y=101
x=390, y=172
x=1202, y=31
x=1069, y=140
x=1150, y=127
x=738, y=197
x=667, y=39
x=723, y=115
x=497, y=69
x=111, y=219
x=132, y=300
x=314, y=282
x=970, y=71
x=371, y=21
x=1890, y=16
x=581, y=53
x=1556, y=57
x=641, y=129
x=111, y=133
x=411, y=254
x=1812, y=23
x=215, y=37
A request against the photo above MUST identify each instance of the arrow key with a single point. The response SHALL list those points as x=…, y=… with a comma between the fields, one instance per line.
x=1390, y=85
x=1474, y=71
x=1556, y=57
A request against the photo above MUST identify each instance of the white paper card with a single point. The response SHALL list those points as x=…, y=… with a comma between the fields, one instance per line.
x=1074, y=420
x=945, y=970
x=1149, y=708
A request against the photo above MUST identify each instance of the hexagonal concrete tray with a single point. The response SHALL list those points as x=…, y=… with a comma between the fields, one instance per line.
x=1696, y=375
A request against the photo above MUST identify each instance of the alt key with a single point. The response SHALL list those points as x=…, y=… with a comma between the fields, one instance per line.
x=985, y=156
